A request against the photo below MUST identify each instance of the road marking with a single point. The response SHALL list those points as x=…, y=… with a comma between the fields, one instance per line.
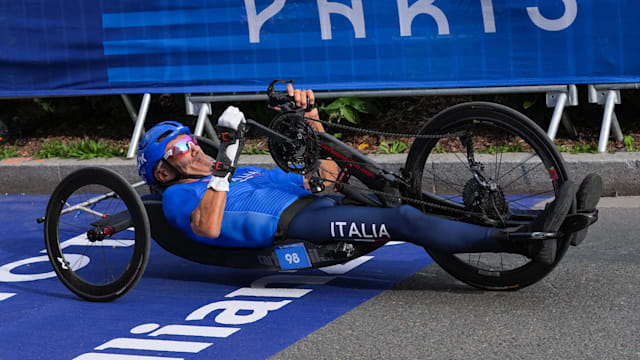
x=5, y=296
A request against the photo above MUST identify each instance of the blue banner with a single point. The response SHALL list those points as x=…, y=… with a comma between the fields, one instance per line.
x=74, y=47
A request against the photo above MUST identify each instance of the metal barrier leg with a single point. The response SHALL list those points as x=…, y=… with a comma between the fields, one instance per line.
x=557, y=115
x=211, y=131
x=129, y=106
x=202, y=119
x=139, y=128
x=606, y=121
x=568, y=126
x=615, y=126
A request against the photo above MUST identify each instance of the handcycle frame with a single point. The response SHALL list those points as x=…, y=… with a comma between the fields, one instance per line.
x=352, y=163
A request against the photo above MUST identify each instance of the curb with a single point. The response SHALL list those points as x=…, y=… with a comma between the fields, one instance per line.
x=620, y=171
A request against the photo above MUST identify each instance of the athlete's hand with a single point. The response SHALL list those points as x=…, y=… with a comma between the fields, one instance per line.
x=303, y=99
x=231, y=143
x=231, y=118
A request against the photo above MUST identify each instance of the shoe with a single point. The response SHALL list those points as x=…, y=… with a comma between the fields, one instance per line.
x=549, y=220
x=587, y=198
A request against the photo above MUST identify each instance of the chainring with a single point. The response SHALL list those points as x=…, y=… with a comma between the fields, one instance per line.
x=478, y=199
x=301, y=158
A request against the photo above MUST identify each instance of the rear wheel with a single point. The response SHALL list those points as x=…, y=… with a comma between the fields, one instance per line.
x=97, y=234
x=518, y=161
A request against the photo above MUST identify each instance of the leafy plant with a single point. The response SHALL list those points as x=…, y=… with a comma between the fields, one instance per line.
x=8, y=153
x=46, y=105
x=395, y=147
x=528, y=103
x=253, y=150
x=85, y=149
x=579, y=149
x=503, y=148
x=348, y=108
x=629, y=144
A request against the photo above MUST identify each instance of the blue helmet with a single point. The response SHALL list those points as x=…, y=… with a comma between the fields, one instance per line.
x=151, y=149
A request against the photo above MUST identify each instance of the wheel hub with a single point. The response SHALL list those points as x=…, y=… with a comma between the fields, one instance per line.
x=488, y=199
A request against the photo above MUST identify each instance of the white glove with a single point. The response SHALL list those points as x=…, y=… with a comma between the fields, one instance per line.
x=219, y=183
x=231, y=118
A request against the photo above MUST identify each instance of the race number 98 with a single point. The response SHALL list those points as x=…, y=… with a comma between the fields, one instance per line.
x=292, y=256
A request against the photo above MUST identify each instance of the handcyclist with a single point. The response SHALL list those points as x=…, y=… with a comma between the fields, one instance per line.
x=214, y=202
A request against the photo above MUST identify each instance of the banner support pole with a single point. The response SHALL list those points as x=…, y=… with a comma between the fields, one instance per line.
x=139, y=128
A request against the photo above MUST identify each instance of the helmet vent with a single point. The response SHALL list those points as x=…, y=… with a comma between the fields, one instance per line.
x=164, y=135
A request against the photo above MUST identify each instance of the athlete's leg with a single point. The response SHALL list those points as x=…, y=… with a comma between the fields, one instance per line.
x=325, y=220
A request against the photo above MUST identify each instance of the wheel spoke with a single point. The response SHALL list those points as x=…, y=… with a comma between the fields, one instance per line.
x=521, y=176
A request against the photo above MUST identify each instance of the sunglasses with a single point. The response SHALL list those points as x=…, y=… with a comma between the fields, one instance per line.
x=181, y=147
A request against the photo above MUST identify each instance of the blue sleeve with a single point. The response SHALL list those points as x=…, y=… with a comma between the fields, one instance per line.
x=177, y=203
x=278, y=176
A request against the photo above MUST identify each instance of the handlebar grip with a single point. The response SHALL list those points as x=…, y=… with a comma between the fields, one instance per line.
x=282, y=99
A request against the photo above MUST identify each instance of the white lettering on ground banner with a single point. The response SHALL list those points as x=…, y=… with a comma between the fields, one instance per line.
x=346, y=267
x=408, y=13
x=569, y=16
x=256, y=20
x=76, y=261
x=354, y=14
x=155, y=345
x=186, y=330
x=229, y=315
x=5, y=296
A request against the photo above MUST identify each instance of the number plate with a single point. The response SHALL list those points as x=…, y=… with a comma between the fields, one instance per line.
x=292, y=256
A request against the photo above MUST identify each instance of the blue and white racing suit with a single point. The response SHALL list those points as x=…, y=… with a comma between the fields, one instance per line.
x=257, y=197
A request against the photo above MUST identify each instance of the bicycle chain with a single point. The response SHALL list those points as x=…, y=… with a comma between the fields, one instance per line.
x=407, y=199
x=384, y=133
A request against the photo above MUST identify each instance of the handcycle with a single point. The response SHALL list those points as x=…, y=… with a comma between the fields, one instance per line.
x=112, y=221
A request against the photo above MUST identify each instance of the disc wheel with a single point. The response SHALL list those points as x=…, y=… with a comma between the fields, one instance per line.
x=97, y=268
x=517, y=157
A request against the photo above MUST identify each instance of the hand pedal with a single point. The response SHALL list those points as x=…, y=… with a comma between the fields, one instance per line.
x=576, y=222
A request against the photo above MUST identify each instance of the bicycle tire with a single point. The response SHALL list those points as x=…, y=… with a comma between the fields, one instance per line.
x=72, y=269
x=469, y=115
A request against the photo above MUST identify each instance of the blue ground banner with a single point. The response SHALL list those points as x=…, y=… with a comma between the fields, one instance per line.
x=180, y=309
x=74, y=47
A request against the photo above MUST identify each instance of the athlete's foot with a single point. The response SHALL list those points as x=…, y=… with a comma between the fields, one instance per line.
x=549, y=221
x=587, y=198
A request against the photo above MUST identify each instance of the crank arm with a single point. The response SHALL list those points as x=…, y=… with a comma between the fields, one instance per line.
x=536, y=235
x=277, y=137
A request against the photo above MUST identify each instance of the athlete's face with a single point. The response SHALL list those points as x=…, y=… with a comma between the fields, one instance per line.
x=192, y=162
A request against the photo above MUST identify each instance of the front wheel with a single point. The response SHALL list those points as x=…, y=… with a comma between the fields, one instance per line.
x=97, y=234
x=515, y=156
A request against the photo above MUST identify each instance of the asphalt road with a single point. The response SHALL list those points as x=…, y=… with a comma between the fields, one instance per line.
x=587, y=308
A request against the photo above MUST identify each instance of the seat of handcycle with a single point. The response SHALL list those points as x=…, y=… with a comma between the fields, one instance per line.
x=178, y=243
